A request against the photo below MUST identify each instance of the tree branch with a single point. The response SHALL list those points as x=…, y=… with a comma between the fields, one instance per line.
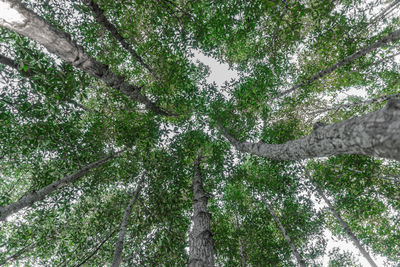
x=373, y=134
x=97, y=249
x=394, y=36
x=31, y=198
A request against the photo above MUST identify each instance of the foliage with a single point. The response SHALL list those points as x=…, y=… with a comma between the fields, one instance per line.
x=55, y=119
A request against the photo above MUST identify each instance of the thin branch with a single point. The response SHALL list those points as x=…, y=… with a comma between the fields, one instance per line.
x=365, y=102
x=394, y=36
x=384, y=12
x=97, y=249
x=33, y=197
x=18, y=253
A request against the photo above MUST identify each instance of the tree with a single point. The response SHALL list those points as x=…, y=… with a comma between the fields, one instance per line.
x=95, y=94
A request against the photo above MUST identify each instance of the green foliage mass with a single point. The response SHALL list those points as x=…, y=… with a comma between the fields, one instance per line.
x=55, y=119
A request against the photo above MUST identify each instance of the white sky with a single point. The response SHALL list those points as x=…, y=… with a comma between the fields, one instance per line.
x=220, y=73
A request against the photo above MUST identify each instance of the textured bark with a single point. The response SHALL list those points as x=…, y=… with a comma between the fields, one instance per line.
x=242, y=255
x=97, y=249
x=122, y=230
x=299, y=259
x=380, y=43
x=373, y=134
x=201, y=241
x=346, y=228
x=61, y=44
x=102, y=20
x=31, y=198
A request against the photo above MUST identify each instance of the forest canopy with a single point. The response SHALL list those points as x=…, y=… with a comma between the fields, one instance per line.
x=115, y=150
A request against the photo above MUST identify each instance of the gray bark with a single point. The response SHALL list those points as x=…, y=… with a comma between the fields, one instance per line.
x=299, y=259
x=242, y=256
x=60, y=43
x=380, y=43
x=201, y=241
x=122, y=230
x=346, y=228
x=102, y=20
x=373, y=134
x=31, y=198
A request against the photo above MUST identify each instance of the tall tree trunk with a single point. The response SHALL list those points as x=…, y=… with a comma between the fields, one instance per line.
x=31, y=198
x=373, y=134
x=242, y=256
x=60, y=43
x=201, y=241
x=300, y=260
x=122, y=230
x=394, y=36
x=346, y=228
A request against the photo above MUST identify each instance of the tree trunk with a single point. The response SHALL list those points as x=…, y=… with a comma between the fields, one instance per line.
x=373, y=134
x=28, y=200
x=201, y=241
x=300, y=260
x=122, y=230
x=242, y=256
x=61, y=44
x=380, y=43
x=343, y=224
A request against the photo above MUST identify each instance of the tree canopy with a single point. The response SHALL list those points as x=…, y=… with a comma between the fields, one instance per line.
x=115, y=150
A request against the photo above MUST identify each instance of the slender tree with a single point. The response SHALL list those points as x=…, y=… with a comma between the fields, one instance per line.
x=102, y=20
x=293, y=248
x=394, y=36
x=242, y=253
x=122, y=230
x=344, y=225
x=96, y=249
